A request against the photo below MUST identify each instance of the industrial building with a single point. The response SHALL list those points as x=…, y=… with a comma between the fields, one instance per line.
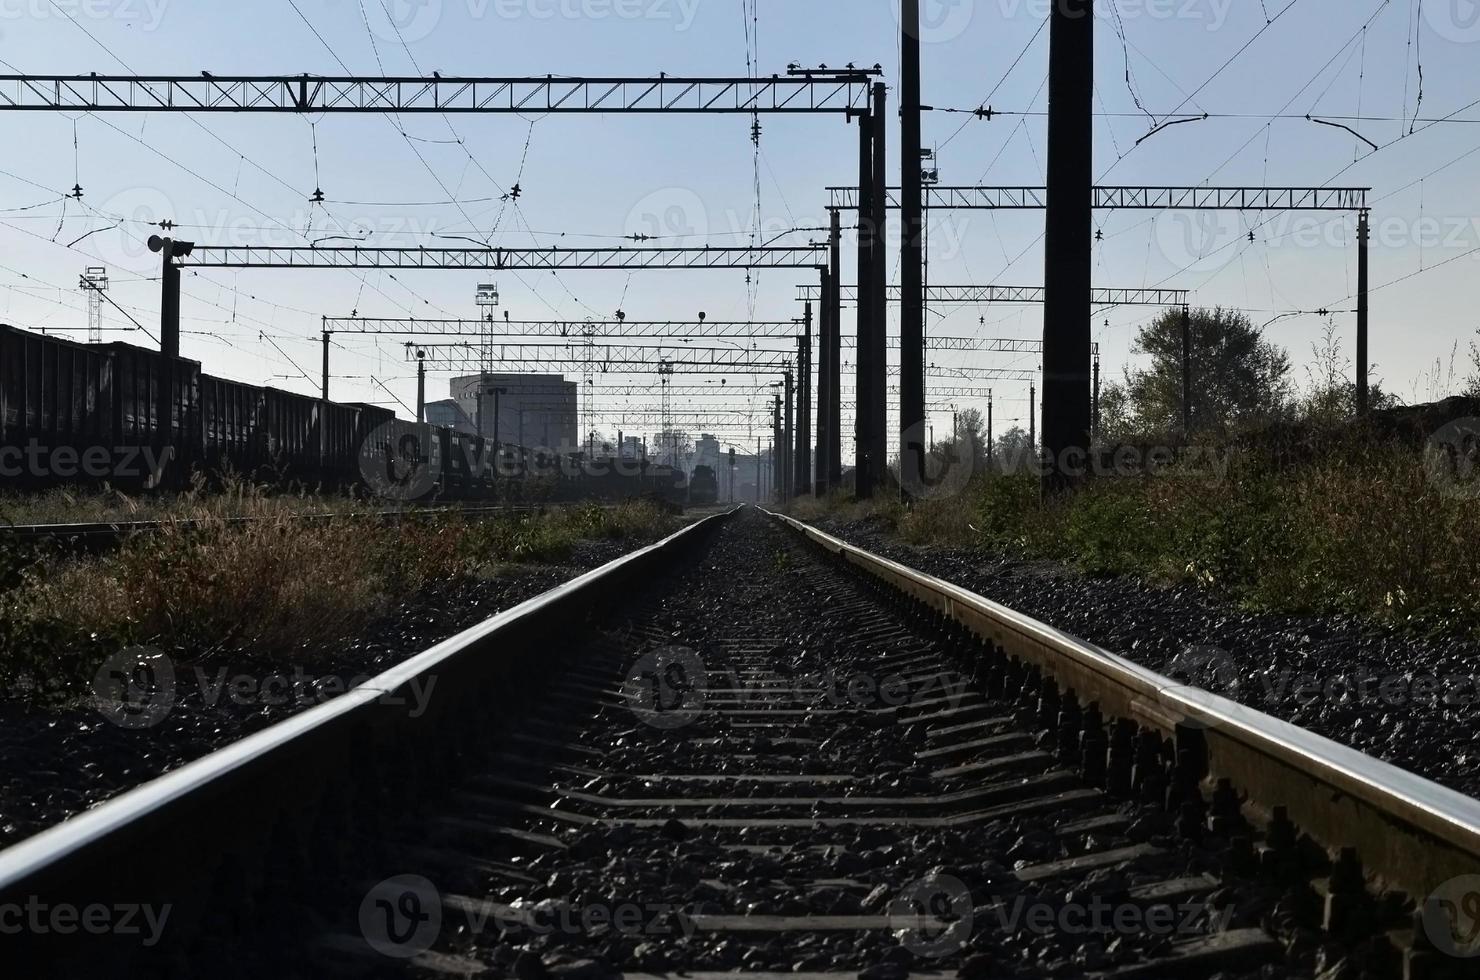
x=533, y=410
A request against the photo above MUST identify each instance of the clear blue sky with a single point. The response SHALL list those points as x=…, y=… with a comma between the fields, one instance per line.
x=592, y=179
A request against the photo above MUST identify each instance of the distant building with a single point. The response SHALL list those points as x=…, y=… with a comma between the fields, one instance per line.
x=449, y=415
x=707, y=452
x=534, y=410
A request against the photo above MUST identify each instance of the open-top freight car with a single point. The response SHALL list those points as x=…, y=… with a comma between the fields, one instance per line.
x=118, y=415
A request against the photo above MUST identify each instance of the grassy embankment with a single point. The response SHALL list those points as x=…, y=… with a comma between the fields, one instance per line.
x=1367, y=531
x=274, y=586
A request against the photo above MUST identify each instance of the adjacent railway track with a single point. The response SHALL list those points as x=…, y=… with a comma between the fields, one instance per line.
x=752, y=747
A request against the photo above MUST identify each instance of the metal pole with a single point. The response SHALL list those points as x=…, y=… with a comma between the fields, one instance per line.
x=479, y=420
x=421, y=383
x=912, y=255
x=879, y=306
x=496, y=393
x=825, y=374
x=775, y=444
x=1095, y=421
x=989, y=428
x=169, y=307
x=324, y=376
x=835, y=357
x=801, y=458
x=1068, y=241
x=1186, y=374
x=1364, y=233
x=786, y=436
x=1033, y=416
x=863, y=415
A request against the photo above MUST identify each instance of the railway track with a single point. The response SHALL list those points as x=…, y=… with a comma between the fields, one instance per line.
x=743, y=750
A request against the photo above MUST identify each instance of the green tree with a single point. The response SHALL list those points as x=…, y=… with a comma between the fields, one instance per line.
x=1117, y=422
x=1012, y=450
x=1238, y=377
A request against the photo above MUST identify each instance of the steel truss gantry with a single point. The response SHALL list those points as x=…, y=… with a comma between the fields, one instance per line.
x=939, y=198
x=978, y=295
x=796, y=93
x=557, y=259
x=574, y=329
x=457, y=357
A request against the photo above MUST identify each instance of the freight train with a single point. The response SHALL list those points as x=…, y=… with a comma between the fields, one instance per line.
x=703, y=487
x=115, y=415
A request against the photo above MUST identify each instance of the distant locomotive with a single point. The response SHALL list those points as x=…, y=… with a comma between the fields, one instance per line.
x=703, y=487
x=132, y=419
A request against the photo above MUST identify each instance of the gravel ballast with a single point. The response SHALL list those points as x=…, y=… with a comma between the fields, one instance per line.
x=1408, y=700
x=56, y=763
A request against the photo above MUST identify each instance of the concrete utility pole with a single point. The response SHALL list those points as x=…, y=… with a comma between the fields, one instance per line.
x=324, y=374
x=1068, y=241
x=989, y=427
x=169, y=302
x=787, y=437
x=912, y=252
x=835, y=357
x=1033, y=417
x=496, y=393
x=1186, y=374
x=1094, y=432
x=879, y=301
x=825, y=382
x=421, y=384
x=1364, y=234
x=801, y=456
x=863, y=415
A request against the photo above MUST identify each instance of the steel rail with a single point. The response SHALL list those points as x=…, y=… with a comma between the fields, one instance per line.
x=167, y=842
x=1411, y=834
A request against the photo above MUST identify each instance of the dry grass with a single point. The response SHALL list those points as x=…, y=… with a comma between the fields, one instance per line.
x=1363, y=531
x=274, y=586
x=235, y=499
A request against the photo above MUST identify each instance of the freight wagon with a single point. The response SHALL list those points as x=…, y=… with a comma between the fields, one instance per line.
x=117, y=415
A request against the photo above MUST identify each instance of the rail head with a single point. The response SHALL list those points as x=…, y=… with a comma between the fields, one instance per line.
x=1412, y=834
